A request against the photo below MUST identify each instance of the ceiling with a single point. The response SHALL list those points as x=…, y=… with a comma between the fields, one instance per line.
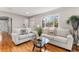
x=27, y=11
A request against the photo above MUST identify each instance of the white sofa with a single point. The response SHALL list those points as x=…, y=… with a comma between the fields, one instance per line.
x=60, y=37
x=18, y=37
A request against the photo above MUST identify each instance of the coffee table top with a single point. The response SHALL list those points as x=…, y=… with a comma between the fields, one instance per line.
x=41, y=42
x=44, y=40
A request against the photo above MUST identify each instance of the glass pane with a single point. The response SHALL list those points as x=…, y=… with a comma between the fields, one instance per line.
x=50, y=21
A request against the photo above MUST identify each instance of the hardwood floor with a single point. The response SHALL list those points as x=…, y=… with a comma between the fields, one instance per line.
x=6, y=45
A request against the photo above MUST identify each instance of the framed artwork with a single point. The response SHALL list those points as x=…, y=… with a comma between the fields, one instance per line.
x=50, y=21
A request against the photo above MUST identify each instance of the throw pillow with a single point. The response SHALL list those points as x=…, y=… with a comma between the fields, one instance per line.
x=22, y=32
x=62, y=32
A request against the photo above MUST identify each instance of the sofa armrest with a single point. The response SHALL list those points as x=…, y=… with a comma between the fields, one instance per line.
x=69, y=36
x=70, y=41
x=15, y=37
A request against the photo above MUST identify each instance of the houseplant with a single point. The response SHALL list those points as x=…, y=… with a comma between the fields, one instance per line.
x=39, y=31
x=74, y=21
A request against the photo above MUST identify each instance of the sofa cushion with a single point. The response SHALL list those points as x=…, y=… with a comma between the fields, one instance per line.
x=17, y=31
x=31, y=35
x=29, y=30
x=62, y=32
x=20, y=31
x=60, y=39
x=23, y=31
x=49, y=30
x=23, y=36
x=45, y=30
x=48, y=36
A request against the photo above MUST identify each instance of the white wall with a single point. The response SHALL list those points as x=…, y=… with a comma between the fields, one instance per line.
x=34, y=21
x=26, y=21
x=17, y=20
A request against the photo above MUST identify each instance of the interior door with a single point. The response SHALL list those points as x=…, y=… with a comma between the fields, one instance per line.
x=3, y=25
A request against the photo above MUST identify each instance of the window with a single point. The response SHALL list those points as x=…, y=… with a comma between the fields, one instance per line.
x=50, y=21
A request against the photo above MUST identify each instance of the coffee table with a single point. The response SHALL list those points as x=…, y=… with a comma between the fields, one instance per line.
x=40, y=43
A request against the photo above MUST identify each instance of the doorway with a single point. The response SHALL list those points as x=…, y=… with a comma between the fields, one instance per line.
x=5, y=24
x=5, y=28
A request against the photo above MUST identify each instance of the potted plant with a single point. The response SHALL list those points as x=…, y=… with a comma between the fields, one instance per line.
x=39, y=31
x=74, y=21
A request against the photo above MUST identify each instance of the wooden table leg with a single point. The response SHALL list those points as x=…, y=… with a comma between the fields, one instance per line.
x=40, y=49
x=45, y=48
x=33, y=48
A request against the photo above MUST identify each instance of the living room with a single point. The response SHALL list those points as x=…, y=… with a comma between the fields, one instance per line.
x=29, y=19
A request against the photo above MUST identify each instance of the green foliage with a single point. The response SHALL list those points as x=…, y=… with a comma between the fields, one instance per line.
x=39, y=30
x=73, y=19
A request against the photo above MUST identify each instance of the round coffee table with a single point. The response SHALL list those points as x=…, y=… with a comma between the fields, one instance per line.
x=40, y=43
